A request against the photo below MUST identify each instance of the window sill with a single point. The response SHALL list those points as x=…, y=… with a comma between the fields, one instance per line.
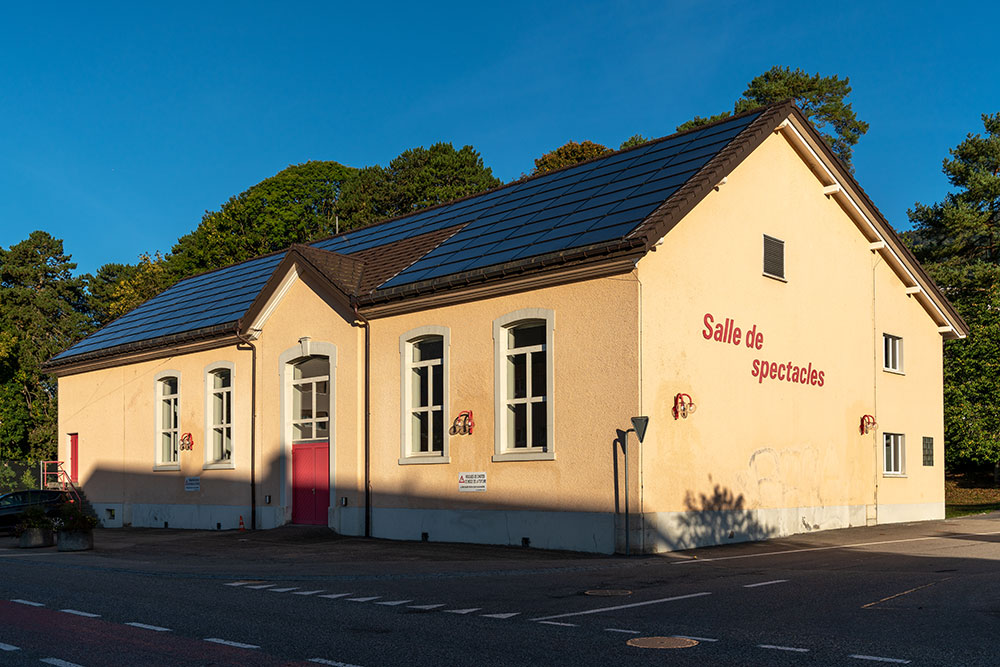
x=893, y=371
x=524, y=456
x=166, y=467
x=228, y=465
x=901, y=475
x=423, y=460
x=781, y=279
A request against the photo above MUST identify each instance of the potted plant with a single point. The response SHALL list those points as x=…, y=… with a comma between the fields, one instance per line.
x=75, y=528
x=34, y=529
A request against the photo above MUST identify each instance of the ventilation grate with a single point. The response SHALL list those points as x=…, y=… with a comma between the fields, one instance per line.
x=774, y=257
x=928, y=451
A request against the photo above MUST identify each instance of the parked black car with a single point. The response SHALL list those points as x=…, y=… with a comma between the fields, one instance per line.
x=12, y=504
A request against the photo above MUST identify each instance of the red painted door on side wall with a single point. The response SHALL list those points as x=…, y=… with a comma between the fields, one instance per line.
x=310, y=482
x=74, y=458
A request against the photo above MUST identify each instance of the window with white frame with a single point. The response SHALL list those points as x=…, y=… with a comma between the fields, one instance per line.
x=220, y=412
x=895, y=454
x=424, y=395
x=524, y=383
x=311, y=399
x=892, y=353
x=167, y=420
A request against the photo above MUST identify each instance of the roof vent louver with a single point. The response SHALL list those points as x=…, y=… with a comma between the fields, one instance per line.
x=774, y=257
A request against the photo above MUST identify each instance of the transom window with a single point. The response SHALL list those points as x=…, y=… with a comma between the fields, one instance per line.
x=311, y=399
x=895, y=454
x=221, y=410
x=892, y=349
x=524, y=384
x=168, y=419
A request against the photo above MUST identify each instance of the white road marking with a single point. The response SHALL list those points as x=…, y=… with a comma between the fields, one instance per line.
x=461, y=611
x=260, y=586
x=367, y=599
x=157, y=628
x=783, y=648
x=332, y=663
x=898, y=661
x=622, y=606
x=955, y=536
x=765, y=583
x=283, y=590
x=226, y=642
x=393, y=603
x=320, y=590
x=565, y=625
x=8, y=647
x=80, y=613
x=697, y=639
x=59, y=663
x=334, y=596
x=29, y=603
x=425, y=606
x=501, y=616
x=240, y=583
x=628, y=632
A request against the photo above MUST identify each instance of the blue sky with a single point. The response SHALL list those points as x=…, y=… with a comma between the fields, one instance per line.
x=122, y=123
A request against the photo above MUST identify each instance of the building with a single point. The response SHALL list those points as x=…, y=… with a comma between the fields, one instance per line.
x=468, y=372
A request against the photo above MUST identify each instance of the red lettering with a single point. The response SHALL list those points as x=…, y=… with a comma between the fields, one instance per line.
x=774, y=370
x=707, y=333
x=760, y=341
x=821, y=378
x=812, y=376
x=781, y=372
x=751, y=335
x=719, y=333
x=736, y=336
x=756, y=368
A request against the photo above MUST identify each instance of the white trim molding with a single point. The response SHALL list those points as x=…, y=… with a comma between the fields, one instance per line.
x=207, y=374
x=406, y=344
x=158, y=463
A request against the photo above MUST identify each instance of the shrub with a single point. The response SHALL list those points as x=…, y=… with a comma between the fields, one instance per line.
x=72, y=518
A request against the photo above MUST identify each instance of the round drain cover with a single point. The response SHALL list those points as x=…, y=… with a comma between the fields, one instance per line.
x=662, y=642
x=608, y=592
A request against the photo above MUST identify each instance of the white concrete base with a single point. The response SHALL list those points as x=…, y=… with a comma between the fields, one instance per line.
x=575, y=531
x=199, y=517
x=910, y=512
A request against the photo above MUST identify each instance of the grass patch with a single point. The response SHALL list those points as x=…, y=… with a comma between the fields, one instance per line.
x=968, y=493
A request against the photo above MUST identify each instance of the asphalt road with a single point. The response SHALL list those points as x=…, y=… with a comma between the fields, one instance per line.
x=921, y=594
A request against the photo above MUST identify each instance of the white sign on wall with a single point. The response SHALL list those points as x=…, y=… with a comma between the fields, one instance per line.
x=472, y=481
x=192, y=483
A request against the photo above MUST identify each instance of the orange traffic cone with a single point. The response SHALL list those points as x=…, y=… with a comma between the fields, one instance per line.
x=242, y=527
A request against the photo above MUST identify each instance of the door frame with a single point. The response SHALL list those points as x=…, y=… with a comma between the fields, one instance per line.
x=305, y=348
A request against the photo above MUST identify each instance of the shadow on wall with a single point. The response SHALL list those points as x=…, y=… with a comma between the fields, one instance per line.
x=717, y=518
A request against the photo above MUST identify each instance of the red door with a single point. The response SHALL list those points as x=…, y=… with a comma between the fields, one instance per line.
x=310, y=482
x=74, y=458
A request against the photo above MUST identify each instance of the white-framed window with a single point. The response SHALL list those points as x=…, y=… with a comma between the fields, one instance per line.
x=892, y=353
x=894, y=459
x=311, y=399
x=219, y=379
x=167, y=407
x=774, y=257
x=523, y=385
x=424, y=395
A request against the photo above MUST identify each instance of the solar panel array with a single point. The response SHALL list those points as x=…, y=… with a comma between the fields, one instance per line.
x=596, y=202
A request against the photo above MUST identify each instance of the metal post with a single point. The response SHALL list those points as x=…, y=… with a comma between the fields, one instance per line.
x=627, y=527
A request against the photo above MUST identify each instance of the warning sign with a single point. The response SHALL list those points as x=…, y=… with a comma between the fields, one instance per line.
x=472, y=481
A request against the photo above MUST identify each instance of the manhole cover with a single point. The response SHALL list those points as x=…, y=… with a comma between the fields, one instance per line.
x=662, y=642
x=608, y=592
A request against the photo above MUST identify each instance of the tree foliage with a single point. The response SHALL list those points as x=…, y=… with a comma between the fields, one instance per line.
x=568, y=154
x=43, y=310
x=823, y=100
x=958, y=239
x=416, y=179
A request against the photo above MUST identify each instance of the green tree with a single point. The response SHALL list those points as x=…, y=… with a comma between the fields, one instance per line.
x=568, y=154
x=102, y=288
x=823, y=100
x=43, y=310
x=141, y=283
x=633, y=141
x=958, y=239
x=416, y=179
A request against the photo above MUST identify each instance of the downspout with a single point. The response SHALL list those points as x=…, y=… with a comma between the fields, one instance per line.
x=875, y=379
x=245, y=344
x=361, y=321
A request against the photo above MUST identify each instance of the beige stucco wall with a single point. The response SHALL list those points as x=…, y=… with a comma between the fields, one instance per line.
x=779, y=457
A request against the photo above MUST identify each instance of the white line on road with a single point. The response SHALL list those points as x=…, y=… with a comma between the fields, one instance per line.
x=393, y=603
x=765, y=583
x=157, y=628
x=367, y=599
x=241, y=583
x=697, y=639
x=783, y=648
x=59, y=663
x=461, y=611
x=565, y=625
x=226, y=642
x=332, y=663
x=8, y=647
x=283, y=590
x=622, y=606
x=334, y=596
x=319, y=590
x=898, y=661
x=425, y=606
x=955, y=536
x=260, y=586
x=29, y=603
x=501, y=616
x=80, y=613
x=627, y=632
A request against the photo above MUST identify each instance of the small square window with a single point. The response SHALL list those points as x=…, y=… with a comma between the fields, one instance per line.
x=892, y=353
x=774, y=257
x=928, y=451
